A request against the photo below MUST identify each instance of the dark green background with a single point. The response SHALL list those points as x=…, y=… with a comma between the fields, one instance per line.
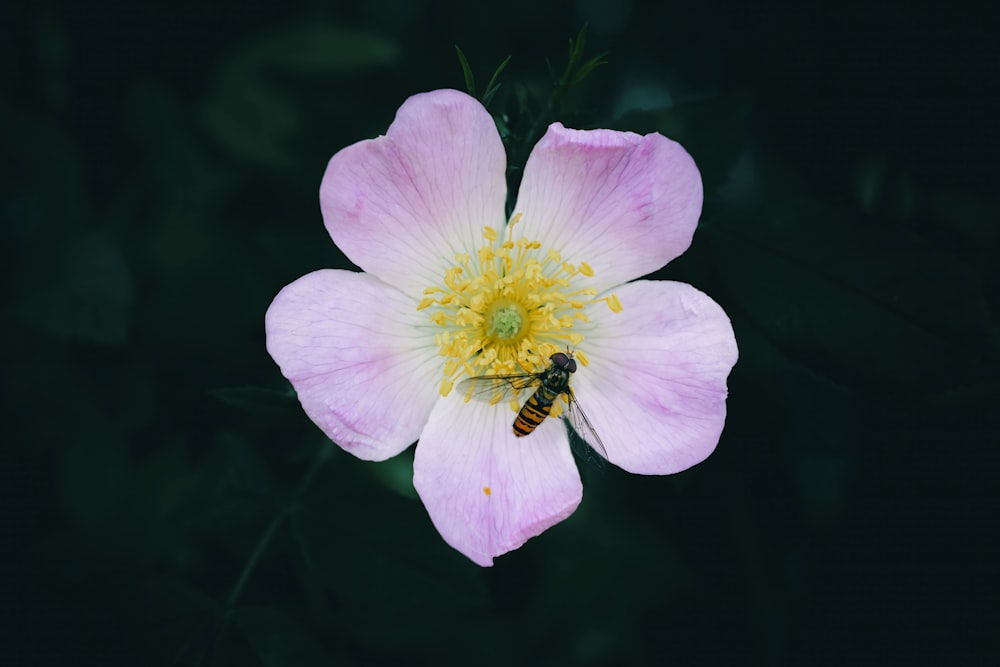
x=160, y=170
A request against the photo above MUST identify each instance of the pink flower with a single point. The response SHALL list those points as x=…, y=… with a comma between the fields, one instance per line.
x=451, y=288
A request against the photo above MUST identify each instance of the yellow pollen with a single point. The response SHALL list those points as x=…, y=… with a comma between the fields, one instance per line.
x=507, y=307
x=614, y=304
x=487, y=490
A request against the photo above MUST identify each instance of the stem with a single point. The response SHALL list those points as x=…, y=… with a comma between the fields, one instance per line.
x=248, y=569
x=322, y=456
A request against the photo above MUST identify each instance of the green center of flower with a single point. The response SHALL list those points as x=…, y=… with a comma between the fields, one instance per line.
x=505, y=319
x=510, y=310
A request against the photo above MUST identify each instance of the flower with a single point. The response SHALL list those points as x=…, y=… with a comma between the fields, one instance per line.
x=451, y=289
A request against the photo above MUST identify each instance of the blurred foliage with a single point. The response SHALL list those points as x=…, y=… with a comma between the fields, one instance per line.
x=167, y=503
x=250, y=117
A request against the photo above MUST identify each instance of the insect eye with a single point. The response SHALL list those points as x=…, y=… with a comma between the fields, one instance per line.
x=570, y=365
x=560, y=360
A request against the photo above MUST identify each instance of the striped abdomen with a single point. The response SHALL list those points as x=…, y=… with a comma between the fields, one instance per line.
x=534, y=411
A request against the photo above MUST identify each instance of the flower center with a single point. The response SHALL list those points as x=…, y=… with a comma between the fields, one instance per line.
x=510, y=309
x=506, y=319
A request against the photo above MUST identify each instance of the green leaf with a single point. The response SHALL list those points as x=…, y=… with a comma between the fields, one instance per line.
x=589, y=67
x=576, y=48
x=470, y=79
x=493, y=86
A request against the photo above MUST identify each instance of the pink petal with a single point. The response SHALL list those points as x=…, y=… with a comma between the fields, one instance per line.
x=486, y=491
x=400, y=206
x=655, y=388
x=353, y=349
x=626, y=204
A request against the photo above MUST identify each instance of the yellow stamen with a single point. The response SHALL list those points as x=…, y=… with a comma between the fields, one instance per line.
x=509, y=310
x=614, y=304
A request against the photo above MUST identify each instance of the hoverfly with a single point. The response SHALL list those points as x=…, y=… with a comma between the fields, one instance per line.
x=550, y=384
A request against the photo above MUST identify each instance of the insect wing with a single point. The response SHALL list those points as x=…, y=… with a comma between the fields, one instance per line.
x=496, y=388
x=584, y=429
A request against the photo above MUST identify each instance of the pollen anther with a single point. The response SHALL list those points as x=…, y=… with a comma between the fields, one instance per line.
x=510, y=310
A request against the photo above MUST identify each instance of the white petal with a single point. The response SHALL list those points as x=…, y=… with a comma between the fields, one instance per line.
x=655, y=388
x=626, y=204
x=354, y=349
x=402, y=205
x=486, y=491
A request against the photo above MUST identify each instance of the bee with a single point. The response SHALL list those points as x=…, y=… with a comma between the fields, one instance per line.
x=549, y=384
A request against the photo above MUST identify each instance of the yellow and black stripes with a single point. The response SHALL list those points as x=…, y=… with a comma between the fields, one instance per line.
x=534, y=411
x=554, y=381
